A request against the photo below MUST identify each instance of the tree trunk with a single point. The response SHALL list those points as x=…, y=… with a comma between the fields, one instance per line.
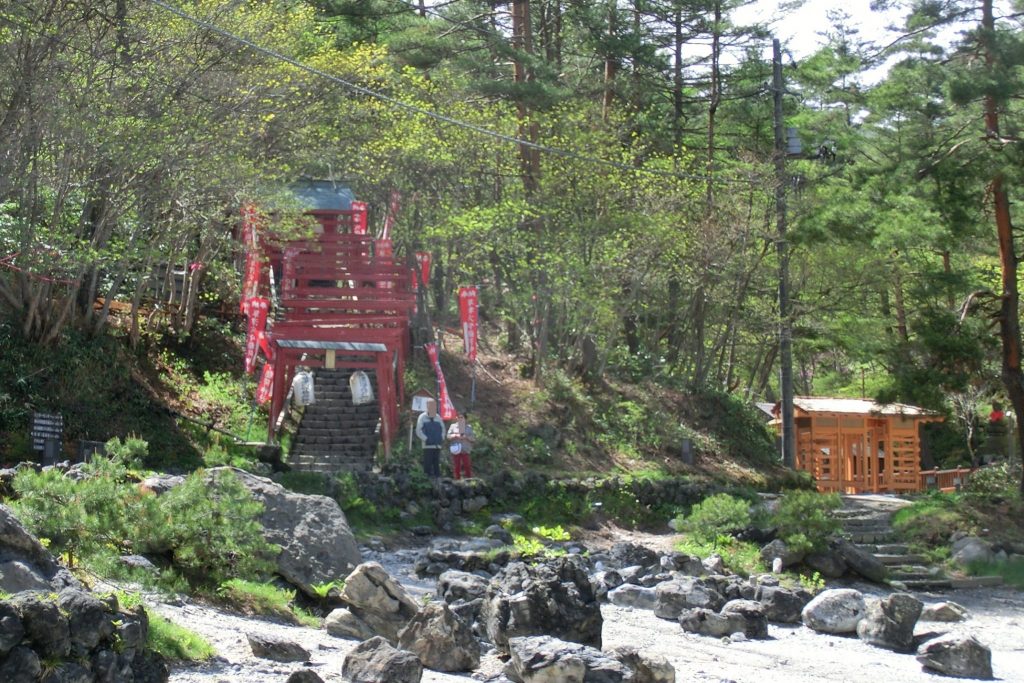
x=715, y=99
x=1009, y=310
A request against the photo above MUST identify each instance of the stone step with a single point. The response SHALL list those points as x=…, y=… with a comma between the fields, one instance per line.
x=932, y=584
x=900, y=560
x=862, y=537
x=915, y=574
x=978, y=582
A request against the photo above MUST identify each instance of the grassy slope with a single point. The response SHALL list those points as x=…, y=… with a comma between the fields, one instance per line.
x=106, y=390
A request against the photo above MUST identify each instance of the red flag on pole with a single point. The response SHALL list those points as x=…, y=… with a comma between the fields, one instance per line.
x=265, y=388
x=359, y=220
x=468, y=315
x=446, y=409
x=250, y=240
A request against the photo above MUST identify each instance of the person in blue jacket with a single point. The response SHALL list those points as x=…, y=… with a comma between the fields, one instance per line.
x=430, y=430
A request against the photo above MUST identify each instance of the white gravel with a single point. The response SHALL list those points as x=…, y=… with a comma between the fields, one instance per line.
x=793, y=654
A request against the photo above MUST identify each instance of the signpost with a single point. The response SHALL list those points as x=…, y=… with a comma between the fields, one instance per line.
x=47, y=435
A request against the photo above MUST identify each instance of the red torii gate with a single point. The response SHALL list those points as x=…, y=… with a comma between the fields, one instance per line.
x=344, y=302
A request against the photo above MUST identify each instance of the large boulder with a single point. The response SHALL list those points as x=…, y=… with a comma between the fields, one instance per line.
x=970, y=549
x=555, y=598
x=751, y=615
x=889, y=622
x=379, y=600
x=828, y=563
x=628, y=554
x=89, y=620
x=375, y=661
x=689, y=592
x=956, y=655
x=11, y=628
x=782, y=605
x=779, y=549
x=835, y=611
x=317, y=545
x=46, y=627
x=441, y=640
x=543, y=659
x=22, y=665
x=860, y=561
x=24, y=563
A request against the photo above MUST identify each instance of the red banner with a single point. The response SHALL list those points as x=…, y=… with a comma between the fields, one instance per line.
x=359, y=218
x=256, y=309
x=446, y=409
x=265, y=388
x=385, y=248
x=264, y=342
x=389, y=220
x=468, y=315
x=423, y=261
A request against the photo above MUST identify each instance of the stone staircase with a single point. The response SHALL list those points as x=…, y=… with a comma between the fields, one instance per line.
x=333, y=435
x=867, y=523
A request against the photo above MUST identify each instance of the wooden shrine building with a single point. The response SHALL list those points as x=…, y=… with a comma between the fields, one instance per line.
x=855, y=445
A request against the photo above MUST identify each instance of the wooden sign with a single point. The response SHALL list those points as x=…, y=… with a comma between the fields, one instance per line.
x=419, y=401
x=46, y=426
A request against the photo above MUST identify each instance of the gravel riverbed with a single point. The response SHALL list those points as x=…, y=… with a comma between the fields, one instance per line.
x=792, y=654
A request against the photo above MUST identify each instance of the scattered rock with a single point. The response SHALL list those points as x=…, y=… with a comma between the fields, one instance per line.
x=751, y=614
x=499, y=533
x=374, y=661
x=441, y=640
x=379, y=600
x=684, y=564
x=956, y=655
x=647, y=668
x=543, y=659
x=860, y=561
x=714, y=564
x=555, y=598
x=637, y=597
x=673, y=597
x=454, y=585
x=277, y=649
x=782, y=605
x=305, y=676
x=627, y=554
x=161, y=483
x=707, y=622
x=944, y=611
x=889, y=622
x=341, y=623
x=834, y=611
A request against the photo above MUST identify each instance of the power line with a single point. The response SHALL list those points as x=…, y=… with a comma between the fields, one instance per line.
x=427, y=112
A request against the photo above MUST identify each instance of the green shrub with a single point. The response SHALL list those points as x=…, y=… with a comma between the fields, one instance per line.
x=1011, y=570
x=213, y=530
x=994, y=483
x=210, y=530
x=928, y=522
x=740, y=557
x=804, y=519
x=715, y=517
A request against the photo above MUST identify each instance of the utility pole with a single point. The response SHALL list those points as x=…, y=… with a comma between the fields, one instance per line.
x=785, y=326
